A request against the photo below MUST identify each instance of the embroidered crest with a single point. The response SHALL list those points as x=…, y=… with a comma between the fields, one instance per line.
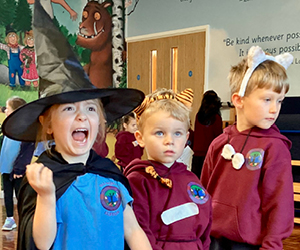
x=197, y=193
x=110, y=198
x=254, y=158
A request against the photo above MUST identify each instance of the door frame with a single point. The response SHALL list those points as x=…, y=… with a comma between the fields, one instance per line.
x=171, y=33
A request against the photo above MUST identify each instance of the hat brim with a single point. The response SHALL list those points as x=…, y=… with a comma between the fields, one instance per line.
x=23, y=123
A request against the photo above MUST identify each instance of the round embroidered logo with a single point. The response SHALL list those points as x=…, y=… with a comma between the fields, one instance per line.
x=197, y=193
x=110, y=198
x=254, y=158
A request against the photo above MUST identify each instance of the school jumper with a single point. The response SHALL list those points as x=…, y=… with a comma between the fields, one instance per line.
x=254, y=204
x=152, y=199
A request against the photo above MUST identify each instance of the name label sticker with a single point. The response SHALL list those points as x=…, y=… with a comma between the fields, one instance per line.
x=179, y=213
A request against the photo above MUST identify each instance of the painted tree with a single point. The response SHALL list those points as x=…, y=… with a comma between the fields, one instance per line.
x=8, y=12
x=23, y=18
x=117, y=40
x=2, y=12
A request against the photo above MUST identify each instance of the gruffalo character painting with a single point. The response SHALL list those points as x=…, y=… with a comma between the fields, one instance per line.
x=94, y=28
x=95, y=33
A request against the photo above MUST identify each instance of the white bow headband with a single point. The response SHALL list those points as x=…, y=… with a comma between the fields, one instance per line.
x=256, y=56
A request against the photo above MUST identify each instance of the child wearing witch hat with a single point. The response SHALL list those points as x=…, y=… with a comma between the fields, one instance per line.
x=71, y=197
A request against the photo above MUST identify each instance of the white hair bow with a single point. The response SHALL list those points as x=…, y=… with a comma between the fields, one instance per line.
x=256, y=56
x=229, y=153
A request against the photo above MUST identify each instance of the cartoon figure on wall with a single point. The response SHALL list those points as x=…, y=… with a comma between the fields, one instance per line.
x=13, y=48
x=95, y=34
x=73, y=14
x=99, y=44
x=27, y=56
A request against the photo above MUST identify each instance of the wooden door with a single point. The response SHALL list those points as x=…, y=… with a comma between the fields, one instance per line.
x=189, y=60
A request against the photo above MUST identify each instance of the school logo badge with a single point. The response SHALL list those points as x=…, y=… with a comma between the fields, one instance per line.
x=197, y=193
x=254, y=158
x=110, y=198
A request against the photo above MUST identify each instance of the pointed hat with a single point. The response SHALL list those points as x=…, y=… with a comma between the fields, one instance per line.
x=68, y=82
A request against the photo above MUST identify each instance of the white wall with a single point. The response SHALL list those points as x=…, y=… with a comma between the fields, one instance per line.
x=229, y=22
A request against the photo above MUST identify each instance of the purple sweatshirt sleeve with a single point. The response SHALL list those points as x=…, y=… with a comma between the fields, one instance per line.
x=141, y=206
x=277, y=200
x=207, y=166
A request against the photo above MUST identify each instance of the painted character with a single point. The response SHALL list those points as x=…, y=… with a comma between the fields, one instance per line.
x=73, y=14
x=27, y=56
x=95, y=34
x=13, y=49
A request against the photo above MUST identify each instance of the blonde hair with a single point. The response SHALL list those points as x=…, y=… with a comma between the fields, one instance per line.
x=175, y=108
x=7, y=36
x=43, y=136
x=268, y=74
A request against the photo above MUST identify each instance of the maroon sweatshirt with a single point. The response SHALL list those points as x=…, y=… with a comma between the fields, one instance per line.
x=152, y=199
x=205, y=134
x=125, y=151
x=254, y=204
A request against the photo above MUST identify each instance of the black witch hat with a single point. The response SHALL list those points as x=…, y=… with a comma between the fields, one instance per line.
x=58, y=65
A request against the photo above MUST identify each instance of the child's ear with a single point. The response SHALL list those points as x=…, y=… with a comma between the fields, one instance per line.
x=42, y=119
x=125, y=126
x=187, y=136
x=139, y=137
x=237, y=100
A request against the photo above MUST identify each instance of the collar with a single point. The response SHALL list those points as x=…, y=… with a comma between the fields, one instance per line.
x=64, y=173
x=13, y=46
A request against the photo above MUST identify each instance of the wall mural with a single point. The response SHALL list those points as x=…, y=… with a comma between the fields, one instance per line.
x=94, y=28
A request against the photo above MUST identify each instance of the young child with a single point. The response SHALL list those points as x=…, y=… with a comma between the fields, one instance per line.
x=169, y=201
x=72, y=198
x=14, y=157
x=126, y=146
x=70, y=189
x=247, y=169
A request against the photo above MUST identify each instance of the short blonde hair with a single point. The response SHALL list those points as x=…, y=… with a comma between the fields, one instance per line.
x=175, y=108
x=43, y=136
x=268, y=74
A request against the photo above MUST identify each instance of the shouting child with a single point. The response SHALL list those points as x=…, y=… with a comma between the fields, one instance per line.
x=72, y=198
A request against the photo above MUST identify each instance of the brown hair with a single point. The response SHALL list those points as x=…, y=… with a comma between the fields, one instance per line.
x=268, y=74
x=126, y=119
x=15, y=102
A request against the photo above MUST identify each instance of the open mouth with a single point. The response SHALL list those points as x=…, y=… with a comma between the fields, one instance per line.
x=82, y=32
x=80, y=135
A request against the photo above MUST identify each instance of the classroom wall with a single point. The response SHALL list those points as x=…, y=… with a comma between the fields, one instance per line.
x=234, y=26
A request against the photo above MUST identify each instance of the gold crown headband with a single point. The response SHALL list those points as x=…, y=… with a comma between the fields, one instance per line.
x=185, y=97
